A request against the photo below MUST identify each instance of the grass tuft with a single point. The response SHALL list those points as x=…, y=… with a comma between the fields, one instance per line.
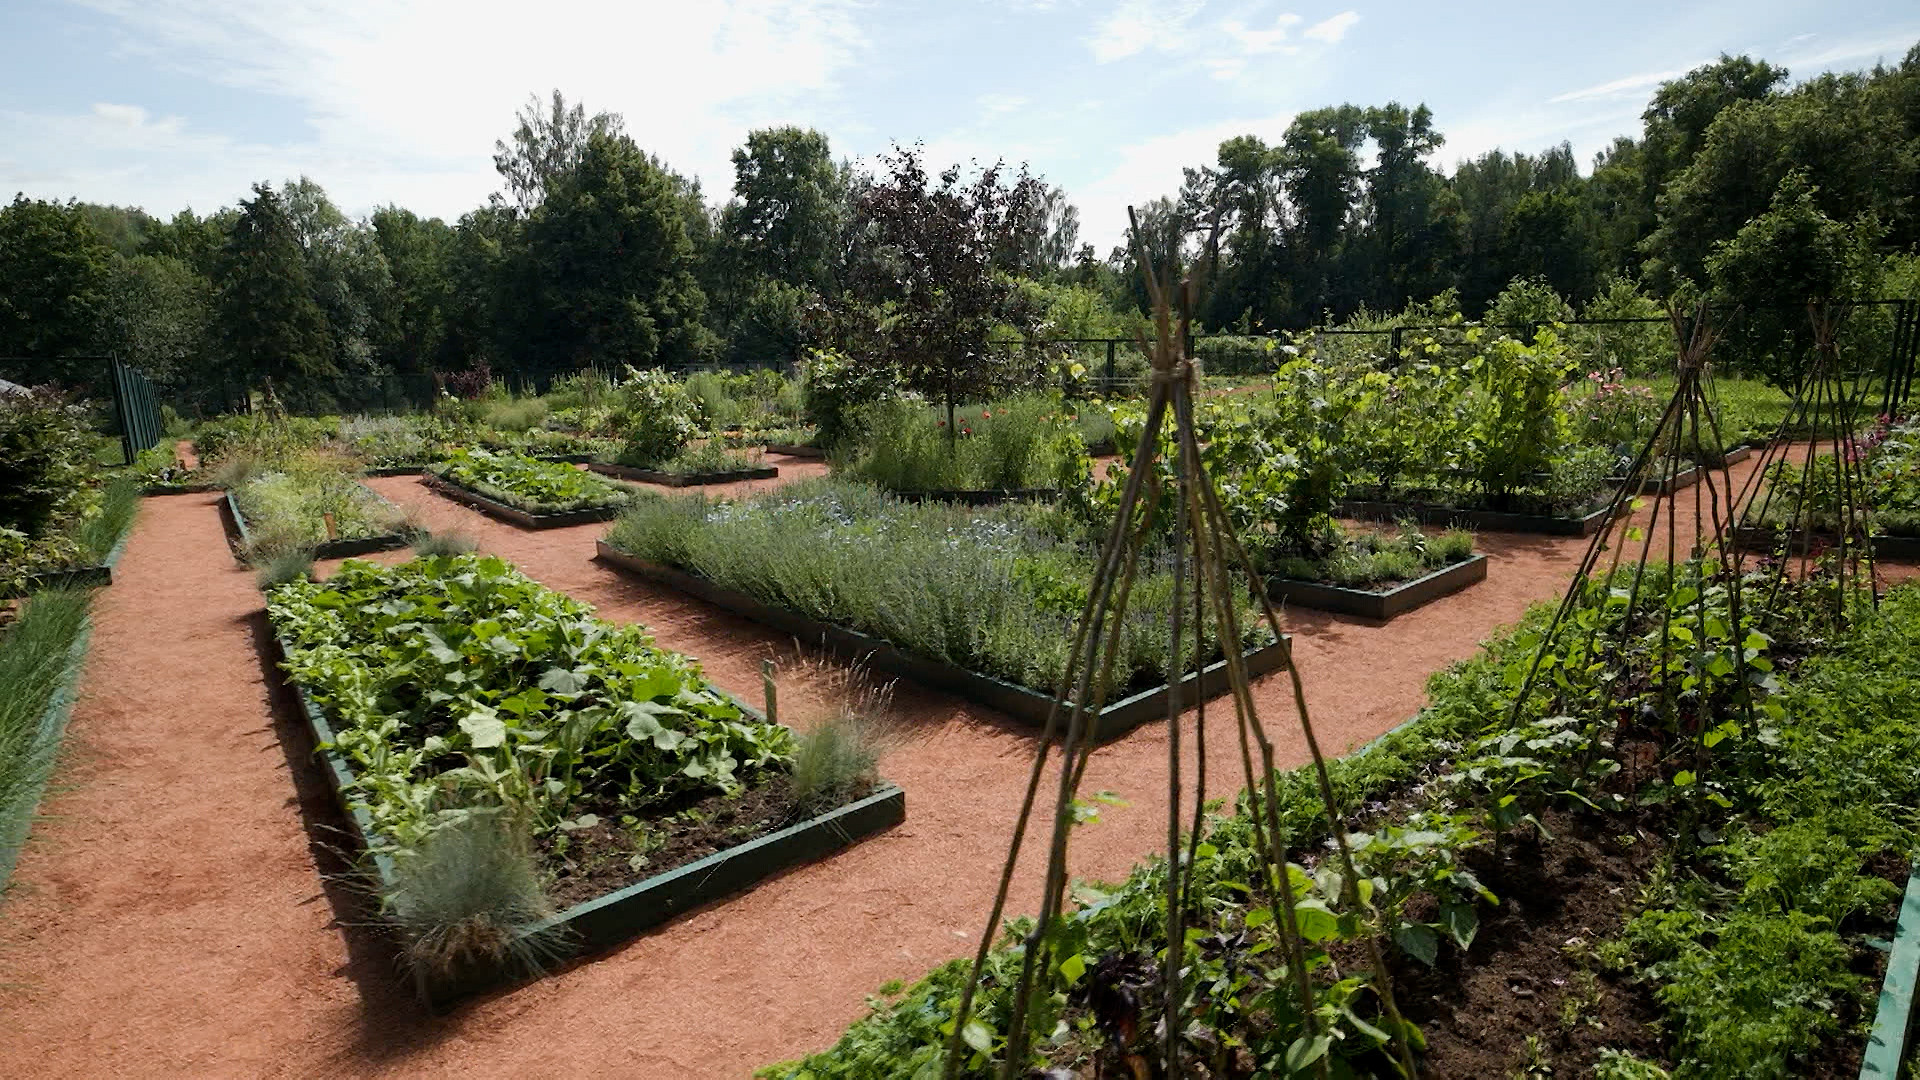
x=287, y=564
x=464, y=898
x=445, y=543
x=36, y=660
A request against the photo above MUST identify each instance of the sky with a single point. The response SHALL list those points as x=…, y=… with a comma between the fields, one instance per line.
x=165, y=104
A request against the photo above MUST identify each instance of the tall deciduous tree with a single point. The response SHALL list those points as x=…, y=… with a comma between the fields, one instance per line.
x=547, y=143
x=158, y=315
x=1412, y=218
x=418, y=253
x=610, y=267
x=54, y=271
x=937, y=279
x=1778, y=262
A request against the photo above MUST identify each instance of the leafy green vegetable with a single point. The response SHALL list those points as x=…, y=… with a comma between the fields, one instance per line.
x=530, y=484
x=456, y=680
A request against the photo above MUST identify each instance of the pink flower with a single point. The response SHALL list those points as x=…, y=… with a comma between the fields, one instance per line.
x=986, y=414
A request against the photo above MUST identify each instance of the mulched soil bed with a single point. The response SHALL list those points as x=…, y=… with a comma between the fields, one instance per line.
x=1532, y=957
x=597, y=859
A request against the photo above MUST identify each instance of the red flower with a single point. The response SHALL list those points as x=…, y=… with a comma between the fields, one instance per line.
x=986, y=414
x=941, y=423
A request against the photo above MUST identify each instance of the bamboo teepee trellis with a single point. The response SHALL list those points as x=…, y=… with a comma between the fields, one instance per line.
x=1206, y=555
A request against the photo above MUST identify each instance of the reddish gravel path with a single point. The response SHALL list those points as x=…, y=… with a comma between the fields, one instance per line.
x=172, y=917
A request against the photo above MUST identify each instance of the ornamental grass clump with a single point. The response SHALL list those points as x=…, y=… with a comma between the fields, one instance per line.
x=36, y=659
x=291, y=564
x=467, y=898
x=306, y=500
x=837, y=758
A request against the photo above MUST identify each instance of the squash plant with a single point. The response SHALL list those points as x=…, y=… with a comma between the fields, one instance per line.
x=456, y=680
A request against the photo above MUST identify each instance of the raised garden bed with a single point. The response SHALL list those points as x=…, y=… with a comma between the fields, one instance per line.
x=1764, y=538
x=797, y=450
x=1028, y=706
x=394, y=470
x=331, y=549
x=1495, y=520
x=82, y=577
x=672, y=479
x=1380, y=604
x=1679, y=481
x=514, y=514
x=604, y=921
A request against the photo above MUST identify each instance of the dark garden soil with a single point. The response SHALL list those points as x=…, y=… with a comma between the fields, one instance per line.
x=1531, y=971
x=608, y=855
x=1530, y=993
x=182, y=909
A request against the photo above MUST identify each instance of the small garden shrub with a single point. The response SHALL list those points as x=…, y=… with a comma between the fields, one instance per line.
x=655, y=416
x=1021, y=443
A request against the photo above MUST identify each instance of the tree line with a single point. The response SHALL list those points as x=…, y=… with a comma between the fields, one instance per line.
x=596, y=252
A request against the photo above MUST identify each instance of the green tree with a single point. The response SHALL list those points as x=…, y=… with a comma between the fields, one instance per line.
x=192, y=240
x=938, y=279
x=349, y=278
x=611, y=267
x=1412, y=233
x=779, y=242
x=418, y=253
x=1320, y=165
x=272, y=326
x=56, y=271
x=547, y=143
x=790, y=205
x=1857, y=161
x=1683, y=109
x=1779, y=262
x=158, y=316
x=1497, y=248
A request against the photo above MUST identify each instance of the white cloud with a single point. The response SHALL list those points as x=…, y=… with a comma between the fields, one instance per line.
x=1625, y=85
x=1154, y=167
x=403, y=100
x=1137, y=25
x=1254, y=42
x=1000, y=104
x=1887, y=46
x=1332, y=30
x=1225, y=68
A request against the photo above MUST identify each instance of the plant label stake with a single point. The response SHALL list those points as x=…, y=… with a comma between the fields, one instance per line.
x=333, y=530
x=773, y=695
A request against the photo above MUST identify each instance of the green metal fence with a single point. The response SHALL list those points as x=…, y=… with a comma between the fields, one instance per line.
x=135, y=408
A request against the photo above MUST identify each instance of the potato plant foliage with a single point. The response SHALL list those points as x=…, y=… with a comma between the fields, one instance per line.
x=457, y=681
